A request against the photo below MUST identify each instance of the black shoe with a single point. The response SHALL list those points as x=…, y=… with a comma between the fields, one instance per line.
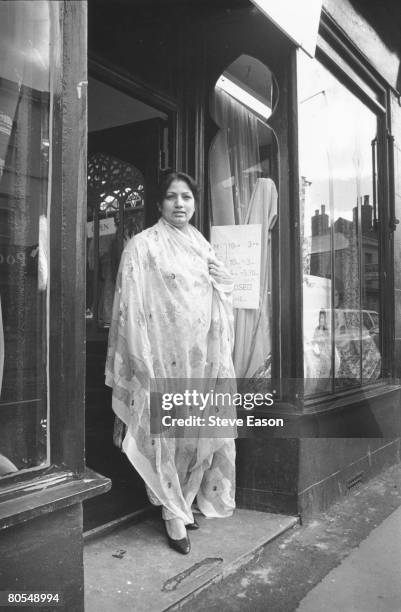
x=193, y=526
x=182, y=546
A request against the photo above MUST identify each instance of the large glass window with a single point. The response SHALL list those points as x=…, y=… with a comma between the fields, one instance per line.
x=25, y=149
x=340, y=217
x=243, y=170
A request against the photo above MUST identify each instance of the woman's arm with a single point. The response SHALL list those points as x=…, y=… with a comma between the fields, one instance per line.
x=219, y=272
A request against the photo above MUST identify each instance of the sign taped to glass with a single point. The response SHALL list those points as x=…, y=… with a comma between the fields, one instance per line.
x=239, y=246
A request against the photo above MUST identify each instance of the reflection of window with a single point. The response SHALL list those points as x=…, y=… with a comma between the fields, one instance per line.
x=116, y=194
x=340, y=239
x=242, y=171
x=25, y=142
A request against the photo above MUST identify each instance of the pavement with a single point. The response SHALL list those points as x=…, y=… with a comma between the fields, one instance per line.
x=368, y=580
x=347, y=559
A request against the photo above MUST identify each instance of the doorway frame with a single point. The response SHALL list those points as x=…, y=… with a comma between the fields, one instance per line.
x=107, y=73
x=101, y=69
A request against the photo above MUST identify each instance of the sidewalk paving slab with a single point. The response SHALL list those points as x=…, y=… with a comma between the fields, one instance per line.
x=133, y=569
x=368, y=580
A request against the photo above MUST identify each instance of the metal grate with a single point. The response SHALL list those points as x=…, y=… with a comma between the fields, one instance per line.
x=355, y=481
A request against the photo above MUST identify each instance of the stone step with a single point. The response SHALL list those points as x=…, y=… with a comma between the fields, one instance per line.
x=132, y=568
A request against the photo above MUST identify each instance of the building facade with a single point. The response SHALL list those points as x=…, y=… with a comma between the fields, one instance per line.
x=96, y=103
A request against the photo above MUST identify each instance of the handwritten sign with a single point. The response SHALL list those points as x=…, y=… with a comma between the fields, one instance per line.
x=239, y=247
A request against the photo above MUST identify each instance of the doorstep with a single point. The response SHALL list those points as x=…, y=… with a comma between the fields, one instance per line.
x=132, y=568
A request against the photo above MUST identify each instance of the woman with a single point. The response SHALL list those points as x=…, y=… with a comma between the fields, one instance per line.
x=172, y=318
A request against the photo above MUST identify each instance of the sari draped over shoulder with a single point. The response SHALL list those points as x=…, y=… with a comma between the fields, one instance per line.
x=171, y=320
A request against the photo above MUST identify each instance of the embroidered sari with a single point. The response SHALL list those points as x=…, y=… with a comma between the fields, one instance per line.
x=171, y=320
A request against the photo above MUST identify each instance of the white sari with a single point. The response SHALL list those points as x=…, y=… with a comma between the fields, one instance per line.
x=171, y=320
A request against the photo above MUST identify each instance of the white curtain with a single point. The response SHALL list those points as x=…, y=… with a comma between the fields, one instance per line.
x=234, y=159
x=253, y=327
x=239, y=195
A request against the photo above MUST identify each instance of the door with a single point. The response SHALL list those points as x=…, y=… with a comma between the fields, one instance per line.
x=128, y=147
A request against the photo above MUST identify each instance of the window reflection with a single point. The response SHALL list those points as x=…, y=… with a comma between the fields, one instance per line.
x=25, y=143
x=340, y=242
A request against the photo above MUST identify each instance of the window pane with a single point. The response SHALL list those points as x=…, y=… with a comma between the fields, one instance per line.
x=24, y=207
x=340, y=243
x=243, y=195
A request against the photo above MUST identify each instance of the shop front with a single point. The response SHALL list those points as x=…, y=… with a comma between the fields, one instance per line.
x=297, y=153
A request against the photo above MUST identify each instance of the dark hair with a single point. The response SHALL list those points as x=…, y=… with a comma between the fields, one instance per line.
x=167, y=179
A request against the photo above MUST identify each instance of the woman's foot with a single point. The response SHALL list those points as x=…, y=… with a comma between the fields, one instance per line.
x=175, y=529
x=177, y=536
x=192, y=526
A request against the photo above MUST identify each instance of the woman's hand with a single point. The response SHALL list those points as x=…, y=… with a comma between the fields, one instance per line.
x=218, y=271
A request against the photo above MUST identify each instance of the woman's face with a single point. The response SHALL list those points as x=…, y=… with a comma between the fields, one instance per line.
x=178, y=205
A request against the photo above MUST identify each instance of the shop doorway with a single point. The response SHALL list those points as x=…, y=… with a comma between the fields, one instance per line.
x=129, y=145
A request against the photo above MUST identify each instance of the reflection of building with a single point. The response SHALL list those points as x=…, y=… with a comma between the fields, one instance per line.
x=370, y=255
x=339, y=242
x=305, y=240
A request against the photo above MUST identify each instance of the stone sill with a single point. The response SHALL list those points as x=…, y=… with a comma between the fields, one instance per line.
x=28, y=500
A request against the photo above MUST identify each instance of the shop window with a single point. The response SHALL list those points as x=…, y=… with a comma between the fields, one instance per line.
x=340, y=217
x=116, y=196
x=243, y=196
x=25, y=149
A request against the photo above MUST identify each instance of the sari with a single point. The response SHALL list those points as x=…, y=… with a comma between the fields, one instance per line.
x=171, y=319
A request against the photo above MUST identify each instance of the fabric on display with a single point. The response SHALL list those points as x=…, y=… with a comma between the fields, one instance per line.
x=252, y=327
